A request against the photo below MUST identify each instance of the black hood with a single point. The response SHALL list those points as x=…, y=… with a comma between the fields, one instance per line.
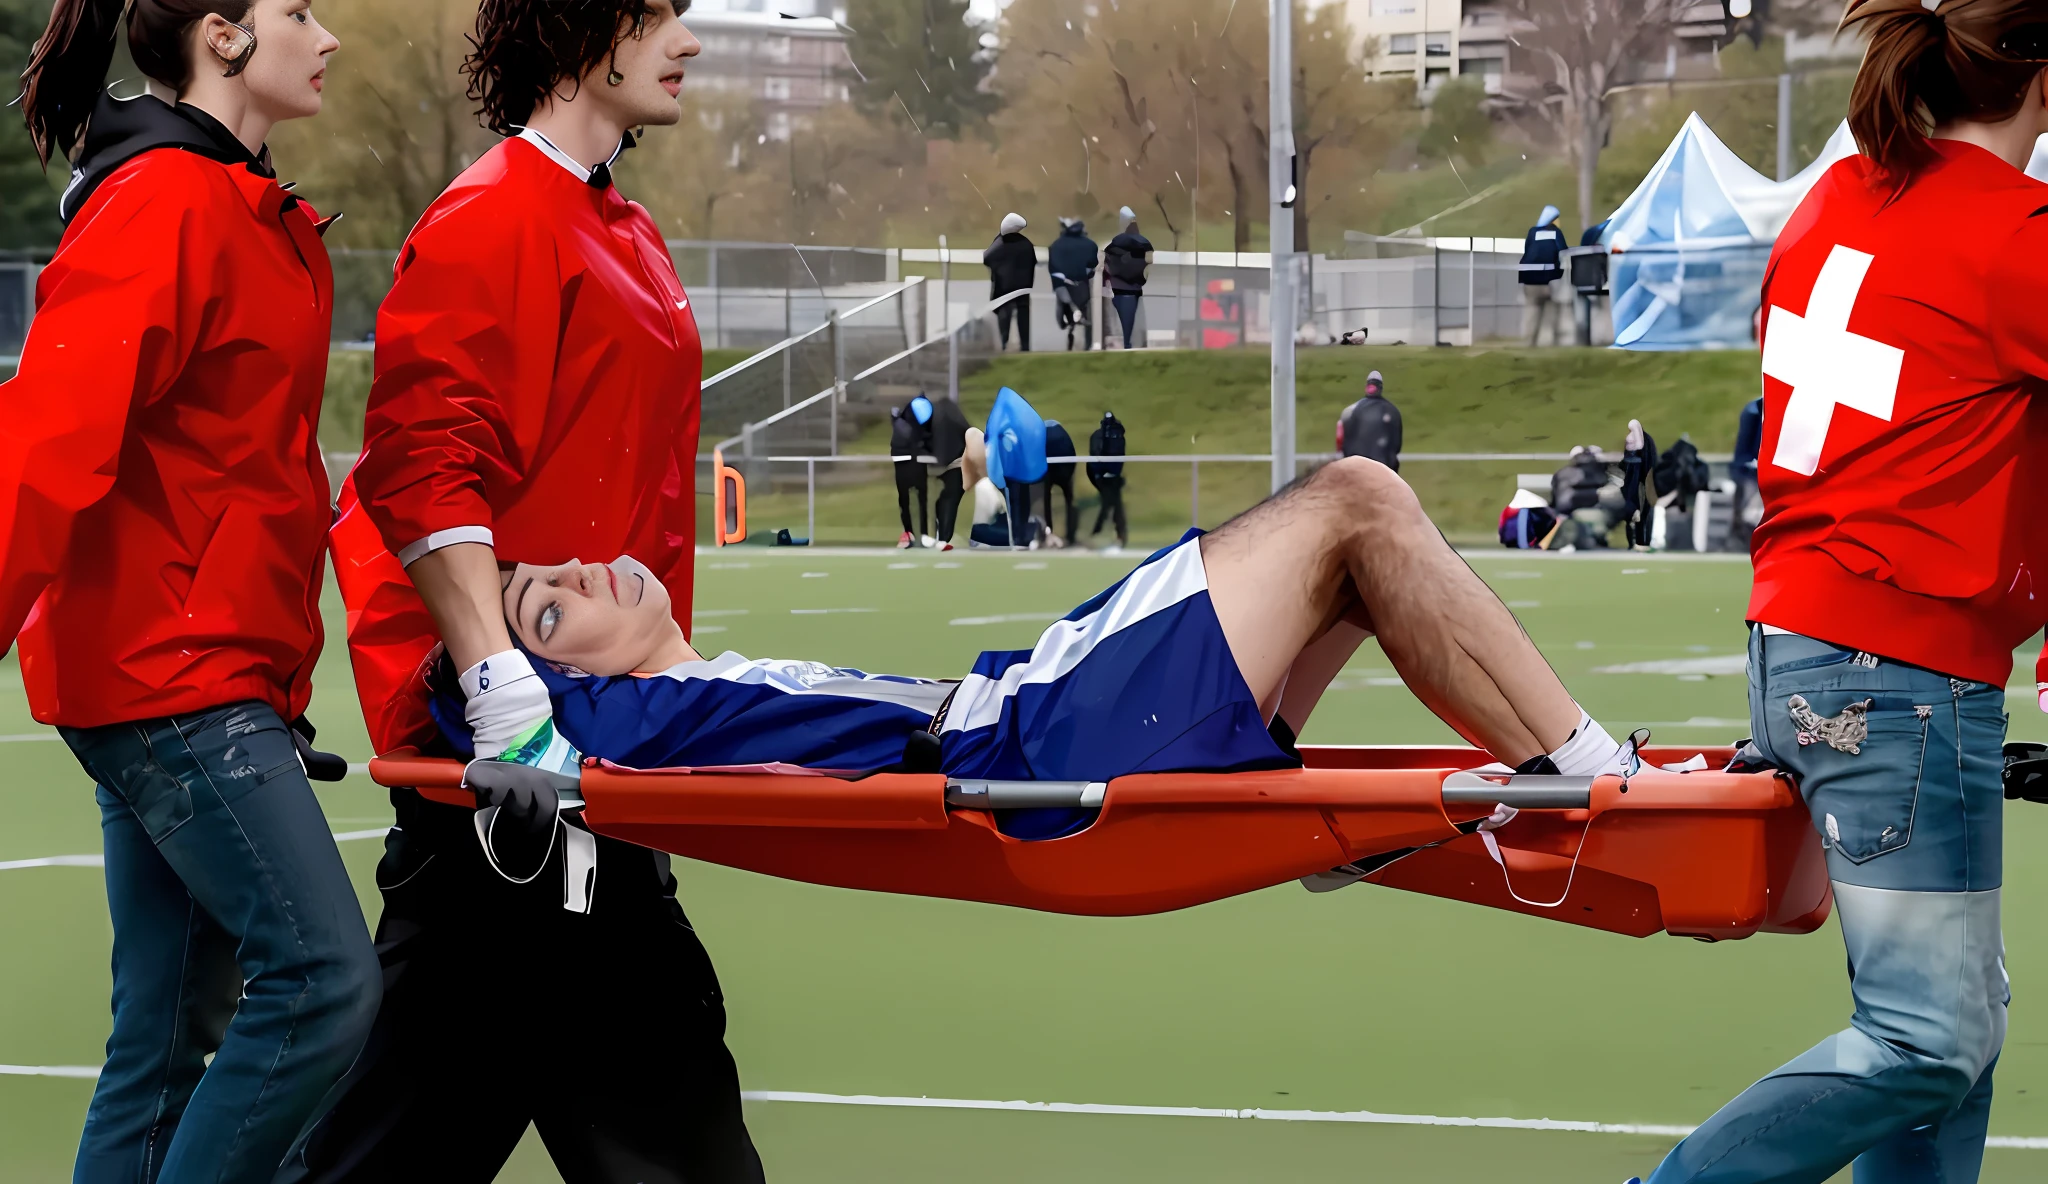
x=122, y=129
x=1074, y=229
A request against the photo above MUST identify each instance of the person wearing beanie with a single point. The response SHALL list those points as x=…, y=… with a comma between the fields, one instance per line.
x=1123, y=265
x=1540, y=270
x=1012, y=263
x=1371, y=427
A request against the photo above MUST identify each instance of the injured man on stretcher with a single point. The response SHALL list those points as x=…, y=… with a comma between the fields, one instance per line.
x=1208, y=657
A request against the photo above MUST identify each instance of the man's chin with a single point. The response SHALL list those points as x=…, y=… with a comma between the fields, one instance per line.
x=664, y=114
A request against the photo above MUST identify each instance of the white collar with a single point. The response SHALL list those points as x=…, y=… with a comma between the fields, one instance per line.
x=548, y=149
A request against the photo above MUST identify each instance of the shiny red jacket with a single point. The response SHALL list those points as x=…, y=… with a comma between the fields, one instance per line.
x=537, y=382
x=163, y=502
x=1902, y=466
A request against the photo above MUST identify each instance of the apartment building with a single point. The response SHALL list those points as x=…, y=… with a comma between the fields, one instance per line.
x=788, y=55
x=1434, y=40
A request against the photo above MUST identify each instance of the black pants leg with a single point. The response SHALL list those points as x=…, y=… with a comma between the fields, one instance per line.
x=1112, y=507
x=605, y=1031
x=948, y=510
x=1061, y=477
x=909, y=479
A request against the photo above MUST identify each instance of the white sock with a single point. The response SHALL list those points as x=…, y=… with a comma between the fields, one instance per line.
x=1588, y=752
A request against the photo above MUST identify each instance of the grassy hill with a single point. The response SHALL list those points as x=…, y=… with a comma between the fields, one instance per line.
x=1451, y=400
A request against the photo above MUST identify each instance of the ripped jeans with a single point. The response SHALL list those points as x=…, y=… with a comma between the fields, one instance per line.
x=1901, y=769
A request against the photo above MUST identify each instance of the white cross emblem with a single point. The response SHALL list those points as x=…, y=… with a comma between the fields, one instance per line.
x=1825, y=364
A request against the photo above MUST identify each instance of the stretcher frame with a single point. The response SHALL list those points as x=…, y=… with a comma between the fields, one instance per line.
x=1707, y=854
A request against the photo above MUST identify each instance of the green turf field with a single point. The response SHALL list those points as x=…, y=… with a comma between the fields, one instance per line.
x=1367, y=999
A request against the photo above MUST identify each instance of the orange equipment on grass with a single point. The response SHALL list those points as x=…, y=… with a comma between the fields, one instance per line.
x=1699, y=854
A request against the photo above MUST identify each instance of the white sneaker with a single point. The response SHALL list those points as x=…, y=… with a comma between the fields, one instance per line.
x=945, y=546
x=925, y=540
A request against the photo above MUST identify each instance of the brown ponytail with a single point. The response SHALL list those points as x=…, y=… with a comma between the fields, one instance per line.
x=1925, y=68
x=68, y=66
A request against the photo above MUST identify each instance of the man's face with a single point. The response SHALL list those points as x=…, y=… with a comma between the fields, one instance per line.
x=650, y=57
x=602, y=618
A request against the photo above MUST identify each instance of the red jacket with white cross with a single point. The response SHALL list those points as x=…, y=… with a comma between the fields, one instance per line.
x=1902, y=467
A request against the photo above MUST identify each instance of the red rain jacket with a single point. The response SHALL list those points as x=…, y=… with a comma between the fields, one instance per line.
x=1903, y=448
x=163, y=502
x=537, y=386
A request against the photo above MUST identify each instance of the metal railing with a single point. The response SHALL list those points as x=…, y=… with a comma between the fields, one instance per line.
x=850, y=499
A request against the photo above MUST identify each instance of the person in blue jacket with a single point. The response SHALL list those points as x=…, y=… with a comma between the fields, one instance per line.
x=1540, y=270
x=1016, y=459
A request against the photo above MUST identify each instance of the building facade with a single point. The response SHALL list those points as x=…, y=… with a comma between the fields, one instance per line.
x=791, y=59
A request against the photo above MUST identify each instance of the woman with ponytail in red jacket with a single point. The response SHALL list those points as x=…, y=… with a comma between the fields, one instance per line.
x=163, y=509
x=1900, y=560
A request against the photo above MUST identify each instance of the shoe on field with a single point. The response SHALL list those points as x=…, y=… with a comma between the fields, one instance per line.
x=903, y=544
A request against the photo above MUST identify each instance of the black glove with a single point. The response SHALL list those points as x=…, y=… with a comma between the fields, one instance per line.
x=320, y=766
x=2026, y=772
x=518, y=808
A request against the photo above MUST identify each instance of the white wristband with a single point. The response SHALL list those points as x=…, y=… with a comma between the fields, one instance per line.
x=505, y=698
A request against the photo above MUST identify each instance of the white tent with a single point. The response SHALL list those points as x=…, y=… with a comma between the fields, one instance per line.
x=1690, y=244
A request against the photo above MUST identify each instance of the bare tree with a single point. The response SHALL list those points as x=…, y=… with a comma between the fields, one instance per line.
x=1588, y=48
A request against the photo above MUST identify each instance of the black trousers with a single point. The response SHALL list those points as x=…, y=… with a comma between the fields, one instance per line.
x=606, y=1031
x=947, y=511
x=1112, y=492
x=910, y=477
x=1020, y=311
x=1061, y=477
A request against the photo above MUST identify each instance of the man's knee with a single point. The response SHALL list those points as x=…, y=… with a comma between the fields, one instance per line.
x=1368, y=490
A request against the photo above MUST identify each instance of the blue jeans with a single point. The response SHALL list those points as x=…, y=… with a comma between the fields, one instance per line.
x=1126, y=305
x=236, y=933
x=1910, y=808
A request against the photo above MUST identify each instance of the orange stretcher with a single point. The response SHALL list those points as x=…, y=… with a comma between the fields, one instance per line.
x=1703, y=854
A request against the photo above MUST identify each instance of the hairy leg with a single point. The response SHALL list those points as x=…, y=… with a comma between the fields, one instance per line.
x=1352, y=536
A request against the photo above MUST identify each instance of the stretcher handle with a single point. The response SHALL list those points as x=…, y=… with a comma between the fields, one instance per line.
x=1012, y=795
x=1523, y=792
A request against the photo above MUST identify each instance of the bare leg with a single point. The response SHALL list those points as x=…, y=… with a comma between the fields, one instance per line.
x=1313, y=671
x=1352, y=534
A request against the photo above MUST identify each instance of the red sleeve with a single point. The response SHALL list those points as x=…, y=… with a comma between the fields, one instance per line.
x=2019, y=289
x=466, y=346
x=116, y=319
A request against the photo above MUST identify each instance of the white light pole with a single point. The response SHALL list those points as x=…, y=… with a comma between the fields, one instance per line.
x=1280, y=178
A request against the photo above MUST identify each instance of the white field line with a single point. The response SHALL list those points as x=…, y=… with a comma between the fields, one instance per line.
x=346, y=836
x=1369, y=1117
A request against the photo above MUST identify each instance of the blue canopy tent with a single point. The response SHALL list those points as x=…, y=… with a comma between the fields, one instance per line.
x=1689, y=246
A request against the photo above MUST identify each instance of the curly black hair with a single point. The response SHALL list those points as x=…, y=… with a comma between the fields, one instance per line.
x=523, y=48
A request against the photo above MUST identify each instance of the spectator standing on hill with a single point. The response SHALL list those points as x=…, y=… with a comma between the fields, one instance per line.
x=1123, y=265
x=1059, y=475
x=1540, y=270
x=1108, y=476
x=910, y=442
x=1071, y=262
x=949, y=456
x=1749, y=441
x=1012, y=263
x=1371, y=427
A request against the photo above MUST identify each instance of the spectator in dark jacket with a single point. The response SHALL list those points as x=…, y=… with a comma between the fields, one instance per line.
x=1539, y=272
x=949, y=447
x=910, y=441
x=1012, y=263
x=1108, y=476
x=1371, y=427
x=1123, y=265
x=1059, y=475
x=1071, y=262
x=1749, y=441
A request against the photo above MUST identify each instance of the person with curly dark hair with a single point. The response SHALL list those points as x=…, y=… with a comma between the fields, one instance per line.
x=536, y=335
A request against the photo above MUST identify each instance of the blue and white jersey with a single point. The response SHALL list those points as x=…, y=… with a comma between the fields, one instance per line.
x=731, y=711
x=1137, y=680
